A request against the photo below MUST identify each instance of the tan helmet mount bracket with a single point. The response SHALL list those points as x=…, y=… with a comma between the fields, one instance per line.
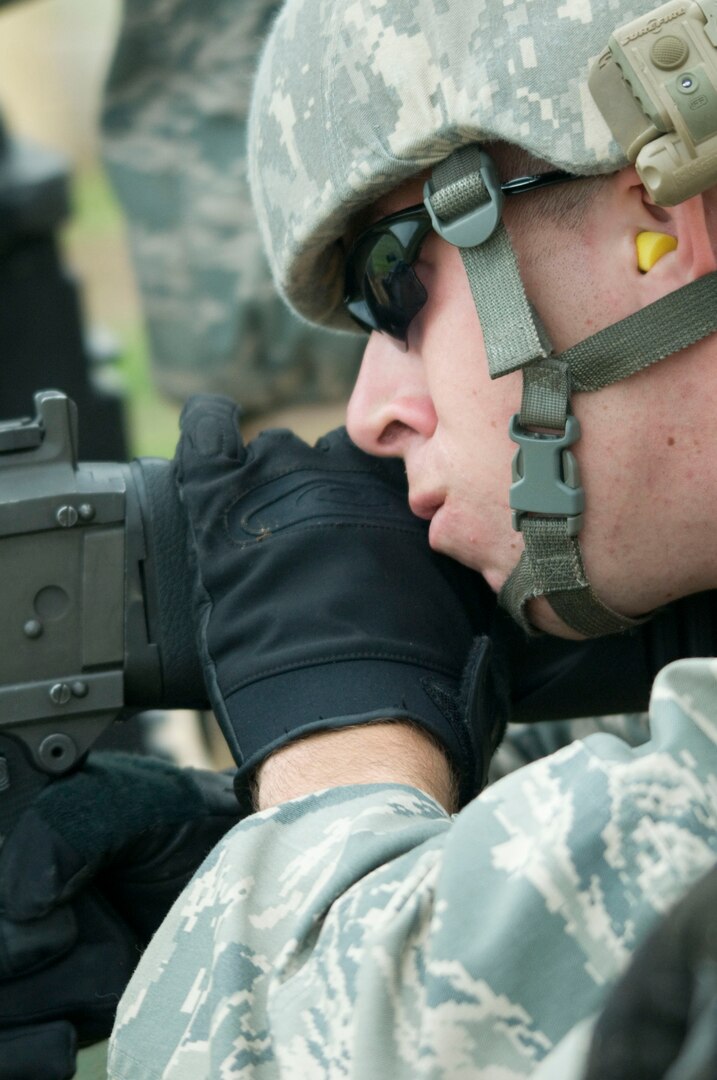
x=656, y=87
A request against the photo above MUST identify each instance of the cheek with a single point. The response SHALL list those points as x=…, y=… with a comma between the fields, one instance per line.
x=475, y=526
x=482, y=410
x=471, y=448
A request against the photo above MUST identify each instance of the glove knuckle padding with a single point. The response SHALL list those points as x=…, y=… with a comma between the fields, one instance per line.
x=320, y=601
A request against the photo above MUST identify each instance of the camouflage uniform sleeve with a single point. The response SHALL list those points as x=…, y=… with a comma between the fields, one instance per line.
x=361, y=932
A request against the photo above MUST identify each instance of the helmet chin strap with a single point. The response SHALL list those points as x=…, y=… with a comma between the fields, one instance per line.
x=546, y=497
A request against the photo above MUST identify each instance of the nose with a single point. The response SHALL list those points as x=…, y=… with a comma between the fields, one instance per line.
x=390, y=405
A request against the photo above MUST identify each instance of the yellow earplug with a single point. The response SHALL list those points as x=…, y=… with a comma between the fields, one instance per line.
x=651, y=246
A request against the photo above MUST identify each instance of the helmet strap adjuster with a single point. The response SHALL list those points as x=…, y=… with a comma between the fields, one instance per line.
x=546, y=477
x=478, y=223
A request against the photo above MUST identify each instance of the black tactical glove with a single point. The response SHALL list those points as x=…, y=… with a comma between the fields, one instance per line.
x=661, y=1018
x=86, y=876
x=318, y=600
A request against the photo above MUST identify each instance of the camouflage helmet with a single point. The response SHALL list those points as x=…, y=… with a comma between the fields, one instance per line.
x=353, y=97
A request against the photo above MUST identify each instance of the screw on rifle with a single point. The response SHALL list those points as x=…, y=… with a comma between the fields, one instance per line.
x=67, y=516
x=87, y=511
x=60, y=693
x=32, y=628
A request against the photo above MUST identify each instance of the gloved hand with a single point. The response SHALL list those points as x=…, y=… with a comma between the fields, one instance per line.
x=318, y=600
x=661, y=1018
x=86, y=876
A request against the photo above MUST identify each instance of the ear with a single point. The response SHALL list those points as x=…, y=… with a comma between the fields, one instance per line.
x=694, y=255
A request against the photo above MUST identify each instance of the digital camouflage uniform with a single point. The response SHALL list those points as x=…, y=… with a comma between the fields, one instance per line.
x=174, y=127
x=363, y=932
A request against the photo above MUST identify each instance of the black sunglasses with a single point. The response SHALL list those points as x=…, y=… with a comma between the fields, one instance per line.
x=382, y=290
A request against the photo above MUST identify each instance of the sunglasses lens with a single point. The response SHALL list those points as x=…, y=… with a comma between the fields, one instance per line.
x=383, y=291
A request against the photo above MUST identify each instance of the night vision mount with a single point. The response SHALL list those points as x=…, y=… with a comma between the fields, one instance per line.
x=656, y=86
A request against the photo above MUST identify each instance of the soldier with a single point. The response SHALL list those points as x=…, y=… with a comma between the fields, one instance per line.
x=441, y=174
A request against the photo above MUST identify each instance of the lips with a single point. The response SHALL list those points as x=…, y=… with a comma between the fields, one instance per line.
x=425, y=506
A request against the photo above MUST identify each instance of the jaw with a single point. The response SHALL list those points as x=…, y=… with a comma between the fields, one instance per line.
x=482, y=541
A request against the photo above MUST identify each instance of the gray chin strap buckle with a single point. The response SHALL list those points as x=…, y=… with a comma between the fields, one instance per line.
x=546, y=477
x=548, y=502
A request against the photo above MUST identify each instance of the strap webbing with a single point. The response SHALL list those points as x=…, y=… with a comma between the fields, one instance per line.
x=513, y=335
x=552, y=566
x=665, y=327
x=546, y=395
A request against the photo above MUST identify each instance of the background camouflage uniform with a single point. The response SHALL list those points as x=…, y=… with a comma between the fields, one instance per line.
x=363, y=932
x=174, y=128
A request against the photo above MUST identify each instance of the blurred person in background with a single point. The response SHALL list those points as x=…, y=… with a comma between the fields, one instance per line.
x=174, y=141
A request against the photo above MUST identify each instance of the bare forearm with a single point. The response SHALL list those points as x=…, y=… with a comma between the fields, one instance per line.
x=390, y=752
